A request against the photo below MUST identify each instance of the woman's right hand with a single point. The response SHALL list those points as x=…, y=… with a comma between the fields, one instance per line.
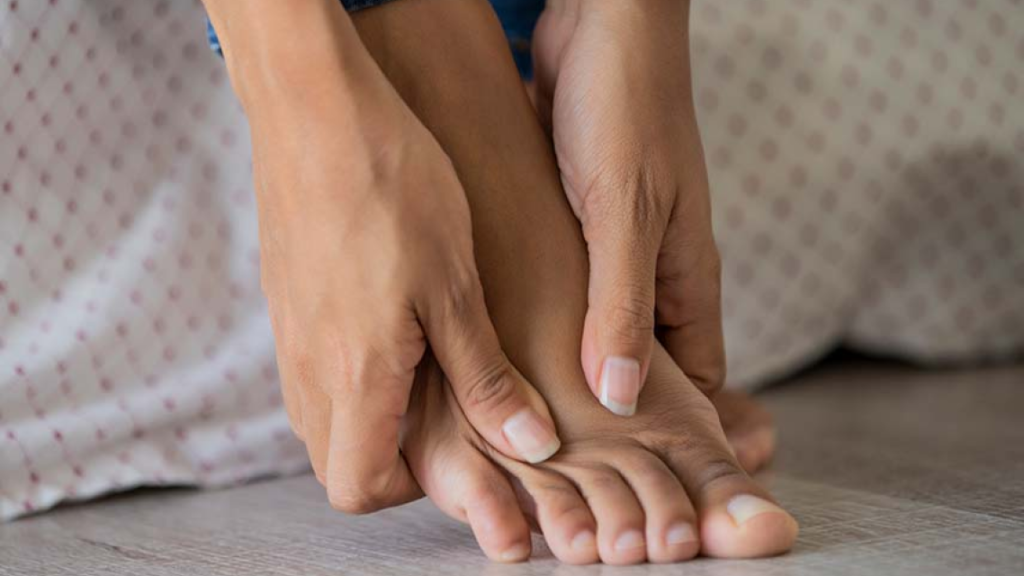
x=366, y=259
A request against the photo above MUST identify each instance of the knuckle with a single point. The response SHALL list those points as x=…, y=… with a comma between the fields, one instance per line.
x=356, y=501
x=562, y=502
x=712, y=464
x=717, y=469
x=604, y=479
x=650, y=471
x=459, y=296
x=493, y=385
x=710, y=379
x=643, y=202
x=631, y=318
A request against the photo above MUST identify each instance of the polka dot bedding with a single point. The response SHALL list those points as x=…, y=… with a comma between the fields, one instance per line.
x=864, y=159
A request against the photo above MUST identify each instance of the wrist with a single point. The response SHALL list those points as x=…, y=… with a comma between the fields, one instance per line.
x=634, y=15
x=286, y=54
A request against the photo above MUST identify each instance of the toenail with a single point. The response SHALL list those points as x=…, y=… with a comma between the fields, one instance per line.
x=620, y=385
x=530, y=436
x=516, y=553
x=629, y=540
x=680, y=534
x=583, y=541
x=744, y=507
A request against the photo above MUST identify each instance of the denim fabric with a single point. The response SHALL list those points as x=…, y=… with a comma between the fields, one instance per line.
x=518, y=18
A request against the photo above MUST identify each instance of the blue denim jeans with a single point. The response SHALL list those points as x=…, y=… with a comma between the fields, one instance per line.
x=518, y=18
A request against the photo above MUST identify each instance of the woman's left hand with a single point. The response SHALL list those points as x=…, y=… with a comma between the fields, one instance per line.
x=613, y=85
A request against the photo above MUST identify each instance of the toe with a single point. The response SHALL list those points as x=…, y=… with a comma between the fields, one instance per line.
x=497, y=522
x=620, y=519
x=470, y=488
x=754, y=448
x=738, y=518
x=748, y=525
x=748, y=427
x=561, y=514
x=671, y=521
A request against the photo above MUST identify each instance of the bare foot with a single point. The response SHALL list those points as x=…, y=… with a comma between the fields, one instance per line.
x=662, y=485
x=748, y=427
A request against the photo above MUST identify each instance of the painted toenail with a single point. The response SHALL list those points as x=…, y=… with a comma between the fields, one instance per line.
x=530, y=436
x=620, y=385
x=517, y=553
x=583, y=541
x=680, y=534
x=629, y=541
x=744, y=507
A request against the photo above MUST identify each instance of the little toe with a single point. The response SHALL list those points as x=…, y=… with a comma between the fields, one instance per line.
x=620, y=518
x=469, y=486
x=671, y=529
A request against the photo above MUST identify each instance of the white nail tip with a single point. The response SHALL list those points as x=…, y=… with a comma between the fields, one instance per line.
x=514, y=554
x=744, y=507
x=537, y=456
x=629, y=541
x=680, y=534
x=583, y=541
x=615, y=407
x=622, y=375
x=525, y=432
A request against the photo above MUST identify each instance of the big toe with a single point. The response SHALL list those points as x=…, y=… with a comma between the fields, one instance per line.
x=746, y=525
x=738, y=518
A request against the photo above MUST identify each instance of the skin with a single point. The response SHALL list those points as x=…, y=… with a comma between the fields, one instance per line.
x=330, y=133
x=619, y=488
x=366, y=254
x=613, y=88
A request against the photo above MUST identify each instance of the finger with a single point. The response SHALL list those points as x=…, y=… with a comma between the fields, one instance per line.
x=497, y=400
x=316, y=428
x=290, y=385
x=619, y=328
x=689, y=310
x=365, y=468
x=291, y=377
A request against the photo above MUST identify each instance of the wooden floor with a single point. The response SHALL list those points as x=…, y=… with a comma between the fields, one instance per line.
x=890, y=470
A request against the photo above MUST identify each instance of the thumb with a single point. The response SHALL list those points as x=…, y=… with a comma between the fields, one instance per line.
x=501, y=405
x=618, y=333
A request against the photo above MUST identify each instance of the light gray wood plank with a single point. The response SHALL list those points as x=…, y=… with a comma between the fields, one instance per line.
x=889, y=469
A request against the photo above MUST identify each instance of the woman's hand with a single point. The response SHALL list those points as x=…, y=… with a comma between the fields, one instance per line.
x=366, y=259
x=613, y=83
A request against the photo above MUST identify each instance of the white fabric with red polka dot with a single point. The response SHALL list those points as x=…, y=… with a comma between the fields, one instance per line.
x=865, y=161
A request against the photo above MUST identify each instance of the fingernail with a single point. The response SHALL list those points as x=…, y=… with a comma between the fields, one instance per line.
x=530, y=436
x=516, y=553
x=744, y=507
x=620, y=385
x=629, y=540
x=583, y=541
x=680, y=534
